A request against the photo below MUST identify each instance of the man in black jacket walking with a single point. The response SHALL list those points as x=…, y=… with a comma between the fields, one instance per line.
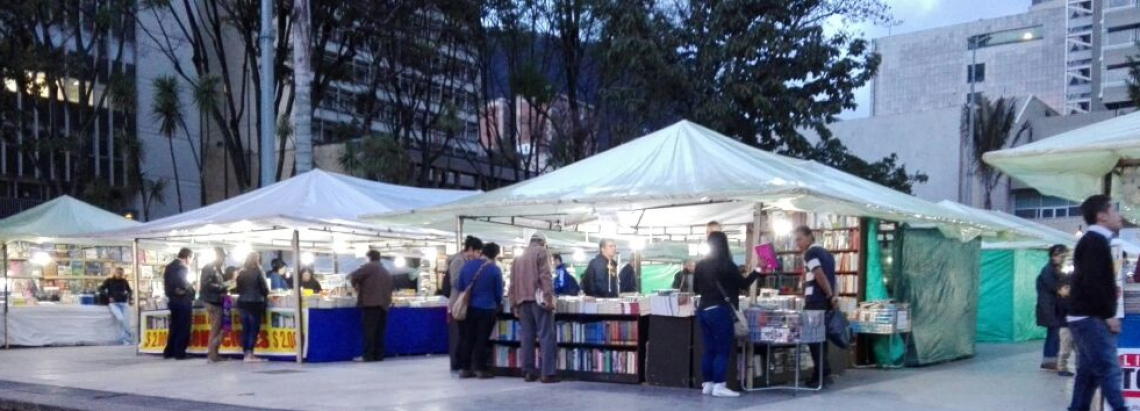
x=180, y=300
x=1092, y=317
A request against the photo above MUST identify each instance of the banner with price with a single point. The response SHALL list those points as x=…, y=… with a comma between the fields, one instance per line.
x=277, y=336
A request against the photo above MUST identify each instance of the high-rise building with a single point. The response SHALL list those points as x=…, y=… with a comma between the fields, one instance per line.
x=1102, y=36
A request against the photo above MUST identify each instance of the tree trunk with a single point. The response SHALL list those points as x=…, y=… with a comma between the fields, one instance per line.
x=174, y=166
x=302, y=80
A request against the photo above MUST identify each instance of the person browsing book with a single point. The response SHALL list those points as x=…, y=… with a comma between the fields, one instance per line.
x=718, y=282
x=820, y=292
x=484, y=279
x=683, y=280
x=601, y=279
x=564, y=282
x=532, y=301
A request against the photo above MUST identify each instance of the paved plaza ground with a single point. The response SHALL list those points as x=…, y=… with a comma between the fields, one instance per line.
x=999, y=378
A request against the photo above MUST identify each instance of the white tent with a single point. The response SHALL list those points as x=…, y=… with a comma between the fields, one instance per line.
x=325, y=205
x=1019, y=232
x=686, y=175
x=1073, y=165
x=64, y=216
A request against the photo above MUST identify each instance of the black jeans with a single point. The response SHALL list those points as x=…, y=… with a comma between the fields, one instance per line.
x=818, y=355
x=375, y=321
x=474, y=335
x=179, y=336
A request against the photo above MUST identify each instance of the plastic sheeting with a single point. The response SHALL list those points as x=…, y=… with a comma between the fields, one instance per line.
x=51, y=325
x=939, y=278
x=669, y=176
x=888, y=351
x=62, y=217
x=1073, y=164
x=1008, y=295
x=1017, y=232
x=657, y=277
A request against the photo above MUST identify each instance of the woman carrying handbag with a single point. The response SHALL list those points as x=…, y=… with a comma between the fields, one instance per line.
x=481, y=296
x=718, y=282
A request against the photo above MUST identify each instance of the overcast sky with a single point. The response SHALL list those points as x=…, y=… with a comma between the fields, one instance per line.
x=916, y=15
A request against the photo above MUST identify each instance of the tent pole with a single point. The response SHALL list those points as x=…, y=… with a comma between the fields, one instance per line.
x=7, y=294
x=459, y=233
x=759, y=218
x=138, y=289
x=1107, y=184
x=297, y=311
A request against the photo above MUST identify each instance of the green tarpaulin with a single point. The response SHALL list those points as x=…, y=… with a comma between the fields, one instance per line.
x=1008, y=295
x=938, y=276
x=888, y=351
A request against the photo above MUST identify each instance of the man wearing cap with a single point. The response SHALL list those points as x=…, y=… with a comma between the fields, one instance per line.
x=213, y=290
x=532, y=300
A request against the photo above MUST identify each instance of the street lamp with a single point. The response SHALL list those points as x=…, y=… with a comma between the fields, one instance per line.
x=974, y=43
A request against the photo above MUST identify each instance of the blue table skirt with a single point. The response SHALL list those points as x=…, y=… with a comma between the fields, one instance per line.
x=335, y=334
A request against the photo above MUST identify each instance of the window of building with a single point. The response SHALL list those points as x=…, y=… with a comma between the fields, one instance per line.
x=976, y=73
x=1032, y=204
x=1120, y=37
x=1113, y=4
x=998, y=38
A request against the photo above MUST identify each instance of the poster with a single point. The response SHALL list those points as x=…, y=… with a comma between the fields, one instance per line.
x=277, y=336
x=1130, y=368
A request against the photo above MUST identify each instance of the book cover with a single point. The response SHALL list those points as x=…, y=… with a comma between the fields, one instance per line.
x=766, y=260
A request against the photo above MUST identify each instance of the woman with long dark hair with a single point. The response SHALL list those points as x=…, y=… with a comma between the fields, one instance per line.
x=718, y=282
x=252, y=291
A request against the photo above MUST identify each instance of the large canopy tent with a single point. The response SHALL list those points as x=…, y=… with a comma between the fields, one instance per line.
x=1095, y=159
x=1007, y=292
x=63, y=217
x=317, y=210
x=669, y=183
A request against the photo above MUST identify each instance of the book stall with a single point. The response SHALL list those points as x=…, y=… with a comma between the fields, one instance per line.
x=636, y=195
x=52, y=275
x=308, y=221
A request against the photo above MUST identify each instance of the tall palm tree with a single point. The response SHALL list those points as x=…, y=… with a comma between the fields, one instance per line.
x=167, y=111
x=994, y=122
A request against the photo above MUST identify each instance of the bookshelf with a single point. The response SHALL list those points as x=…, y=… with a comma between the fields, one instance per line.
x=76, y=270
x=591, y=347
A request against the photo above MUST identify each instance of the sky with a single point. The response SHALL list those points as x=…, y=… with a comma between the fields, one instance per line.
x=916, y=15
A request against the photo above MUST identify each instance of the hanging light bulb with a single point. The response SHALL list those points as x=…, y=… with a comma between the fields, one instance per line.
x=360, y=250
x=518, y=252
x=307, y=258
x=782, y=226
x=400, y=262
x=41, y=258
x=579, y=255
x=703, y=249
x=637, y=244
x=241, y=251
x=429, y=253
x=206, y=255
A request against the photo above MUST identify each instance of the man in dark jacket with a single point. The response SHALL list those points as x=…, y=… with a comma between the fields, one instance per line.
x=213, y=289
x=1047, y=314
x=683, y=280
x=1093, y=320
x=118, y=292
x=180, y=301
x=601, y=279
x=374, y=296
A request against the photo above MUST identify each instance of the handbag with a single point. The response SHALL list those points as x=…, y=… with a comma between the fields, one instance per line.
x=838, y=328
x=740, y=326
x=459, y=307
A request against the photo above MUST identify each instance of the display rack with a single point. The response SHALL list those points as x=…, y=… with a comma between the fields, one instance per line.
x=780, y=330
x=591, y=347
x=74, y=272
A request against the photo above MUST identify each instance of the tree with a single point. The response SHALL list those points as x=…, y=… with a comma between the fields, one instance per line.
x=60, y=61
x=167, y=111
x=208, y=28
x=377, y=157
x=994, y=123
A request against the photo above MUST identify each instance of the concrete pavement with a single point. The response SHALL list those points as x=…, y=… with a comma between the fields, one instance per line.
x=1001, y=377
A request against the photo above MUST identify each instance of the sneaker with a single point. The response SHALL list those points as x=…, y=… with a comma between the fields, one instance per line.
x=551, y=379
x=530, y=378
x=466, y=374
x=483, y=375
x=1047, y=366
x=1065, y=374
x=720, y=390
x=707, y=388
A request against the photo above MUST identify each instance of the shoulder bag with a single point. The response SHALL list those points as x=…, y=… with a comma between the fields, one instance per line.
x=459, y=306
x=740, y=325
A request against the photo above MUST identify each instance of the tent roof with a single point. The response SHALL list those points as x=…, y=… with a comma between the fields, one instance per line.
x=316, y=199
x=682, y=175
x=1073, y=164
x=64, y=216
x=1019, y=232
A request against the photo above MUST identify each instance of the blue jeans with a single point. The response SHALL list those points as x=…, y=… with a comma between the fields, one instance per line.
x=122, y=313
x=1097, y=365
x=1052, y=346
x=719, y=337
x=250, y=328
